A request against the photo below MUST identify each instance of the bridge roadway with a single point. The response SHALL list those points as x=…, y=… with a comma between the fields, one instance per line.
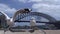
x=36, y=32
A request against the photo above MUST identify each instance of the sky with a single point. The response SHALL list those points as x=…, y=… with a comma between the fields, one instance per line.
x=50, y=7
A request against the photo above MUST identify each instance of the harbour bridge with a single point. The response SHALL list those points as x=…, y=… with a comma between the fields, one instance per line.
x=26, y=16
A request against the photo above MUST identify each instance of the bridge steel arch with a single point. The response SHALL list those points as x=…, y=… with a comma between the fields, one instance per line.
x=51, y=19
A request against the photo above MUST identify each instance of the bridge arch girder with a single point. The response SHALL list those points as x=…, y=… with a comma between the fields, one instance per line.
x=51, y=19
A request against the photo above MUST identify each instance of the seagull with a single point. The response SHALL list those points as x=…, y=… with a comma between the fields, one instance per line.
x=33, y=21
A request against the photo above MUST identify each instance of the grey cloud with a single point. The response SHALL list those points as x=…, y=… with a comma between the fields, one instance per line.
x=46, y=1
x=52, y=10
x=40, y=1
x=5, y=8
